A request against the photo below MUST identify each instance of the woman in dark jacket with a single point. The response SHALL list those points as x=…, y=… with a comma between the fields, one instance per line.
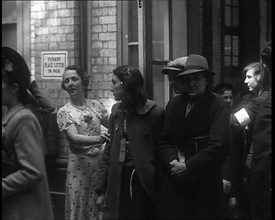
x=25, y=191
x=192, y=147
x=128, y=167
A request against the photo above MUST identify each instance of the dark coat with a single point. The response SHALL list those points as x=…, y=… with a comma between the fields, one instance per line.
x=260, y=172
x=234, y=168
x=25, y=191
x=202, y=137
x=143, y=129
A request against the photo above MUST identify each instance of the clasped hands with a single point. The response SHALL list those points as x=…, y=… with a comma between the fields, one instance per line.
x=101, y=203
x=104, y=137
x=177, y=168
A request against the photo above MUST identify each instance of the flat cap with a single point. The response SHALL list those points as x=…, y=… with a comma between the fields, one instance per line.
x=177, y=65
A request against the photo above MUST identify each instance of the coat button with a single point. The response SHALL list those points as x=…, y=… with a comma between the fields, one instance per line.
x=146, y=135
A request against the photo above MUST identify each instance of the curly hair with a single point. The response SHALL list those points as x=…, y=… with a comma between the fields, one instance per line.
x=132, y=82
x=85, y=78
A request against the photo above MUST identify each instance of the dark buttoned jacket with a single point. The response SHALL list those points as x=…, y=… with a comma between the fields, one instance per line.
x=202, y=135
x=143, y=129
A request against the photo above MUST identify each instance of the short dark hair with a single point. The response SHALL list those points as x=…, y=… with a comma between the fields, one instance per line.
x=81, y=72
x=132, y=82
x=223, y=86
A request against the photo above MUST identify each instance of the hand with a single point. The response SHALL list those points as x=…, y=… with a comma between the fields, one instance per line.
x=226, y=186
x=177, y=167
x=104, y=137
x=32, y=78
x=101, y=203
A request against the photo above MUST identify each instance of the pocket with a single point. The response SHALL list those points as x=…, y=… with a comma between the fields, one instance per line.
x=201, y=142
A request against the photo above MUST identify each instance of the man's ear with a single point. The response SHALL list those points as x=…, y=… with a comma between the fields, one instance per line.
x=258, y=77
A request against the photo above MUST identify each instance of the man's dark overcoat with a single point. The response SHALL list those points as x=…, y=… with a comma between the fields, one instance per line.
x=202, y=136
x=260, y=172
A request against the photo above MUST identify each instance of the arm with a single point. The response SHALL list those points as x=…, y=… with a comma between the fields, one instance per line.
x=166, y=146
x=67, y=125
x=80, y=139
x=101, y=183
x=211, y=157
x=29, y=157
x=104, y=116
x=249, y=111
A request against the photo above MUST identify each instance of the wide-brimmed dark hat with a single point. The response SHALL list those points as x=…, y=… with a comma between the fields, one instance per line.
x=14, y=63
x=17, y=63
x=177, y=65
x=196, y=63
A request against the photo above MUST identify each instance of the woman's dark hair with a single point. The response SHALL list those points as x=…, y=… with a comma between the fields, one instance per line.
x=81, y=72
x=262, y=70
x=132, y=82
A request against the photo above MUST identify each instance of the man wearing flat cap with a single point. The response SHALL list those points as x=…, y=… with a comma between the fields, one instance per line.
x=174, y=68
x=196, y=124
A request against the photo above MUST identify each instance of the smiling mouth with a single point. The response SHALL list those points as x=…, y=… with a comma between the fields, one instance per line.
x=72, y=90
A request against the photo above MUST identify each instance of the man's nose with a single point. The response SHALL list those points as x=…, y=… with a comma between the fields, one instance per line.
x=228, y=99
x=112, y=88
x=71, y=82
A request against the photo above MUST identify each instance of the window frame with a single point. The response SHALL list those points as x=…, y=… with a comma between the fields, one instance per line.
x=23, y=31
x=231, y=71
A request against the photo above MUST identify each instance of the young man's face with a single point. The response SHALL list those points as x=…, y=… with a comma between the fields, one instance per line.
x=252, y=80
x=227, y=96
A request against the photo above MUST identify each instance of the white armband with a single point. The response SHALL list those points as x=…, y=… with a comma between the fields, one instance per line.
x=242, y=117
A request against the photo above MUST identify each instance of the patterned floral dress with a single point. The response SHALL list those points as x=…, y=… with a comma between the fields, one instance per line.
x=83, y=165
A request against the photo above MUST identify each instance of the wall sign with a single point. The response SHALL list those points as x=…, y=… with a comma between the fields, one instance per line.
x=53, y=64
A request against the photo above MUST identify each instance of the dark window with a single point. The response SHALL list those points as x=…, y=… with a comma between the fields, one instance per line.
x=231, y=40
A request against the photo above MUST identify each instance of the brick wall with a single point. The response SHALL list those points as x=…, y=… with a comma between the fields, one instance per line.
x=55, y=26
x=103, y=51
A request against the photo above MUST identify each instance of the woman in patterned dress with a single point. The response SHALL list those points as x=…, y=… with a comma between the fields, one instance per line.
x=80, y=120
